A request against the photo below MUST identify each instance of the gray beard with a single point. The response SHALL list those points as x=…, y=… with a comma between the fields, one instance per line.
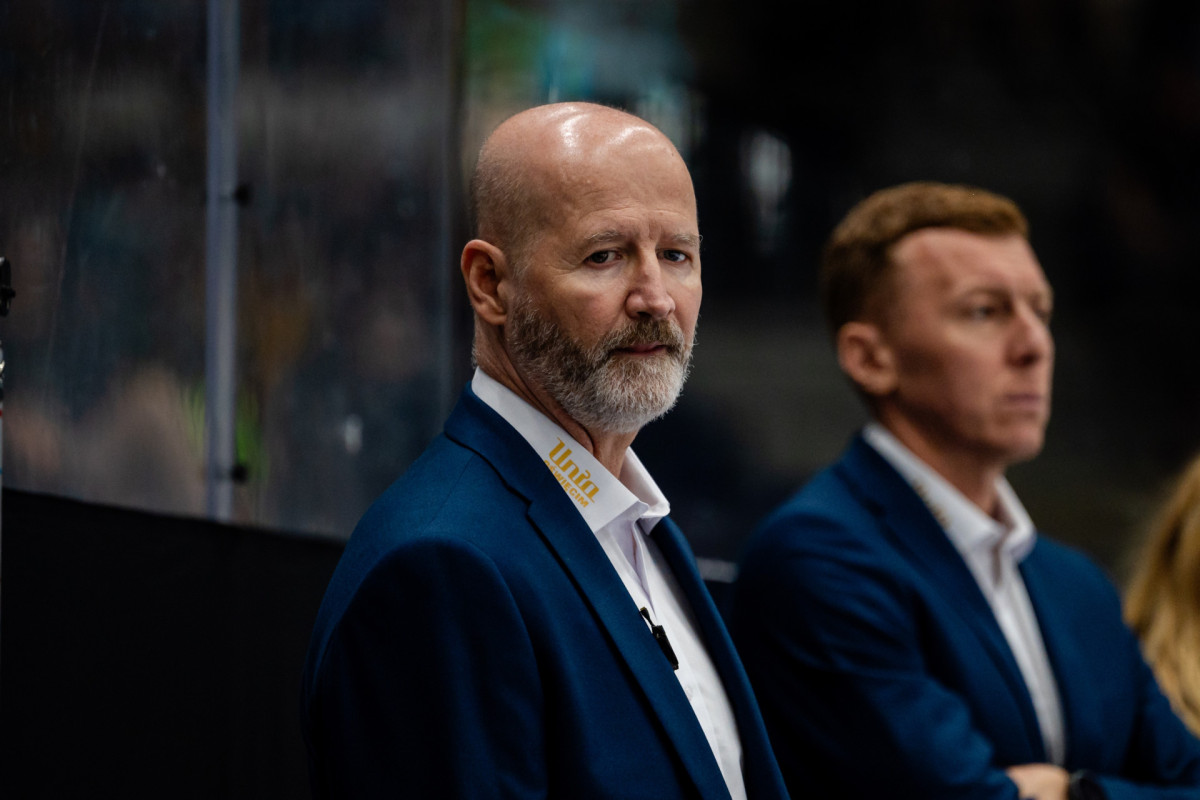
x=597, y=387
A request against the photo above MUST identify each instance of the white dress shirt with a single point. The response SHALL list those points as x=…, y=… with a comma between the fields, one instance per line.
x=621, y=511
x=993, y=549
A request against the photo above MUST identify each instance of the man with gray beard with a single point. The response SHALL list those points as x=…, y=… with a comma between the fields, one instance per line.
x=516, y=616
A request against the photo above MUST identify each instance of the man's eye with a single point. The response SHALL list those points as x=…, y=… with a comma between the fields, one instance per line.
x=602, y=257
x=983, y=312
x=674, y=255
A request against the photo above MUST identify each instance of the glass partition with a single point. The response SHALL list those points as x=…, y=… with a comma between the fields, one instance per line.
x=356, y=122
x=347, y=192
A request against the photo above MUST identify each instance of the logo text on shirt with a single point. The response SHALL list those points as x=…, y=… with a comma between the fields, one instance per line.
x=573, y=479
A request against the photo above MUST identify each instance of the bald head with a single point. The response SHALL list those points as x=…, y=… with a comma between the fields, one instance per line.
x=584, y=274
x=536, y=158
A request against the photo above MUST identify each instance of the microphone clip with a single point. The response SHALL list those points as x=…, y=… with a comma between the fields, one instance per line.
x=660, y=636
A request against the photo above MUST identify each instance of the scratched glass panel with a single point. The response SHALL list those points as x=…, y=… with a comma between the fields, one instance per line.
x=349, y=165
x=342, y=336
x=101, y=215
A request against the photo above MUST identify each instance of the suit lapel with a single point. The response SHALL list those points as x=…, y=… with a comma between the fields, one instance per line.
x=915, y=532
x=760, y=767
x=475, y=425
x=1082, y=720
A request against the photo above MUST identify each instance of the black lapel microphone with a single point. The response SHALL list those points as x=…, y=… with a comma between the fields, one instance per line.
x=660, y=636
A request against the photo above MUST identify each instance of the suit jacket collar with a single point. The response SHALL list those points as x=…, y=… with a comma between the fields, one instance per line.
x=1083, y=718
x=910, y=524
x=476, y=426
x=761, y=772
x=911, y=527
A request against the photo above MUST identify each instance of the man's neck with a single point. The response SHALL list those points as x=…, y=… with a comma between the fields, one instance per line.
x=607, y=448
x=975, y=476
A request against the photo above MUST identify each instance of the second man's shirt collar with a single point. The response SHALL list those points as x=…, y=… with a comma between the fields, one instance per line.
x=967, y=525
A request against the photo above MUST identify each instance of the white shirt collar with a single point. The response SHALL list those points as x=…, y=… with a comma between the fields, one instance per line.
x=599, y=496
x=970, y=529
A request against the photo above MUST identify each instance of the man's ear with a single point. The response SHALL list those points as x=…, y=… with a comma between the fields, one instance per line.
x=866, y=357
x=484, y=266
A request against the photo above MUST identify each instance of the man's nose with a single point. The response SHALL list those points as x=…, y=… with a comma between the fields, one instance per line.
x=1032, y=340
x=648, y=295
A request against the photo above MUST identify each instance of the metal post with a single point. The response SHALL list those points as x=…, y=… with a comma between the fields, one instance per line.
x=6, y=296
x=443, y=252
x=221, y=256
x=447, y=287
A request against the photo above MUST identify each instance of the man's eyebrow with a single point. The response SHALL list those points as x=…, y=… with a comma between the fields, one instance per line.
x=612, y=235
x=689, y=239
x=1046, y=293
x=604, y=237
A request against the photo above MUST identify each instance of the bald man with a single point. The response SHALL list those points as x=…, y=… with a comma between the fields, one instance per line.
x=516, y=616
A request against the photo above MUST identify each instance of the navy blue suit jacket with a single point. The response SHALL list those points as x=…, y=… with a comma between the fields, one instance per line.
x=882, y=672
x=475, y=641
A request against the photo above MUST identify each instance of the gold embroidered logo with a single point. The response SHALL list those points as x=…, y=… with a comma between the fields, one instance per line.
x=573, y=479
x=934, y=509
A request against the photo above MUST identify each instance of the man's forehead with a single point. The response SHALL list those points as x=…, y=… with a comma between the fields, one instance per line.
x=953, y=256
x=578, y=134
x=596, y=133
x=622, y=199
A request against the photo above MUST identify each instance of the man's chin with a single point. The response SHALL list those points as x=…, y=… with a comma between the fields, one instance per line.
x=662, y=355
x=625, y=402
x=1024, y=448
x=640, y=368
